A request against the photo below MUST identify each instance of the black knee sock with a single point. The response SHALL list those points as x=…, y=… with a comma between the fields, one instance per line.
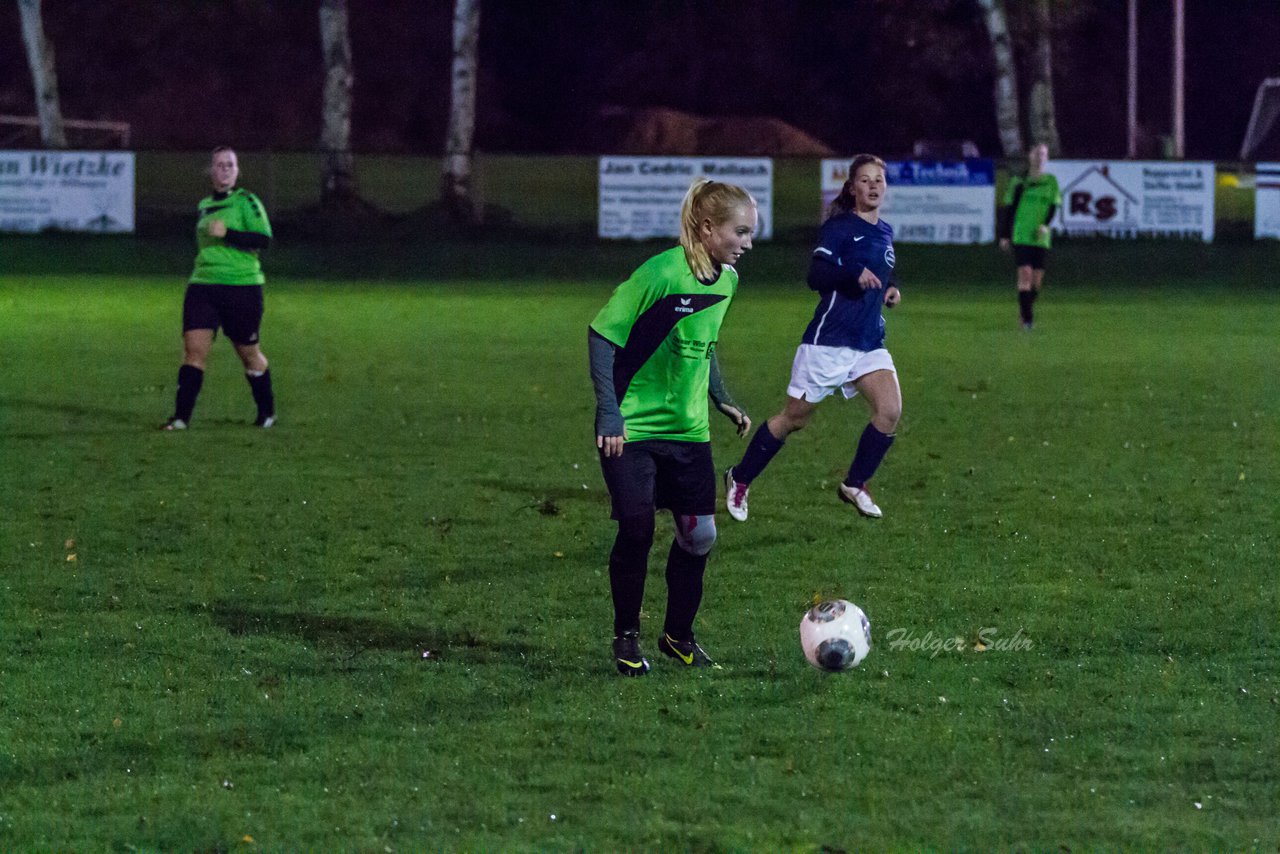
x=260, y=385
x=190, y=378
x=684, y=591
x=1025, y=299
x=872, y=447
x=628, y=565
x=764, y=445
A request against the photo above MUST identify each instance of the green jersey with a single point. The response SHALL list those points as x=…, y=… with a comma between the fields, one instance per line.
x=1032, y=198
x=218, y=262
x=665, y=324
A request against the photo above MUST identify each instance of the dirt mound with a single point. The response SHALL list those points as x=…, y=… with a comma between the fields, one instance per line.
x=664, y=131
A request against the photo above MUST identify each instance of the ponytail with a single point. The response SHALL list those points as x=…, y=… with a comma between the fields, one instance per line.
x=711, y=200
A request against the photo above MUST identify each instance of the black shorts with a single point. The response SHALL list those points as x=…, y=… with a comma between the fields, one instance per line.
x=655, y=473
x=235, y=308
x=1029, y=256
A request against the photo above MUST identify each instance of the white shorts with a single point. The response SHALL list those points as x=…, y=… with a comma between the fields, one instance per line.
x=817, y=370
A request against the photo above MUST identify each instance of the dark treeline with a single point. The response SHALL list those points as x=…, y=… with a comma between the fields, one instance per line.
x=556, y=74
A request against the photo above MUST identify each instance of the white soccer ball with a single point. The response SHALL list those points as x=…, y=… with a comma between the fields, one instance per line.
x=835, y=635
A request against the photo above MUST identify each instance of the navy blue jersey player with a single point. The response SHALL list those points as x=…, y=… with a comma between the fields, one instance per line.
x=843, y=346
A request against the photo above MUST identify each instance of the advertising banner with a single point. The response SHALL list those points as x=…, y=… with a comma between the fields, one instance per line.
x=1266, y=201
x=640, y=196
x=66, y=191
x=1118, y=198
x=930, y=201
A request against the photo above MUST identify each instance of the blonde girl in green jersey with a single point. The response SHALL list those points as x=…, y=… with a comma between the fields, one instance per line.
x=652, y=350
x=1029, y=206
x=225, y=291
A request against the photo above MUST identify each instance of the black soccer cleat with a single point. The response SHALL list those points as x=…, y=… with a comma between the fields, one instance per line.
x=688, y=653
x=627, y=655
x=266, y=422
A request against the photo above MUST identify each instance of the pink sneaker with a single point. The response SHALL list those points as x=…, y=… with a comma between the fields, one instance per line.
x=860, y=499
x=735, y=496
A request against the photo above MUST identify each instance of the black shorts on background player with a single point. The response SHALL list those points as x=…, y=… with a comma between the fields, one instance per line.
x=236, y=310
x=1030, y=256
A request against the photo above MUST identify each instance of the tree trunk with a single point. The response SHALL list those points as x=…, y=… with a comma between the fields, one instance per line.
x=1006, y=77
x=1043, y=125
x=40, y=58
x=338, y=183
x=456, y=189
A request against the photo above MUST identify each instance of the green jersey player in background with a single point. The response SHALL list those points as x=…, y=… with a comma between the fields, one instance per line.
x=652, y=350
x=1029, y=205
x=225, y=290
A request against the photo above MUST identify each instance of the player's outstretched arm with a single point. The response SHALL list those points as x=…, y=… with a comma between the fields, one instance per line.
x=720, y=397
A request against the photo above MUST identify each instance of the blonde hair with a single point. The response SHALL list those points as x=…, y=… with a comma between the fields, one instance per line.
x=711, y=200
x=844, y=202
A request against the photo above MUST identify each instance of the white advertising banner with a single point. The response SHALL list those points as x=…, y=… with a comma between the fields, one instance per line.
x=640, y=196
x=1266, y=201
x=1119, y=198
x=930, y=201
x=66, y=191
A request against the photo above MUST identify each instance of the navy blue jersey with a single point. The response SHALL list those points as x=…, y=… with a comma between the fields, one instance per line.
x=851, y=317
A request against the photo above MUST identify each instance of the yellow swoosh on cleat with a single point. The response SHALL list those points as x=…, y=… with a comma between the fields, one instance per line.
x=631, y=663
x=687, y=659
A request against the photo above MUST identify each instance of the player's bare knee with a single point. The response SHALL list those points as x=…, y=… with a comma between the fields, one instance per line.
x=696, y=534
x=887, y=417
x=195, y=356
x=253, y=359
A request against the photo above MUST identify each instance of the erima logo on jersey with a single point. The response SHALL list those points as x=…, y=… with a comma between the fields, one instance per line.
x=683, y=308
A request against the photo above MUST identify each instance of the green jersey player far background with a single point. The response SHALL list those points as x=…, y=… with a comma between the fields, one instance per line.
x=225, y=291
x=1030, y=203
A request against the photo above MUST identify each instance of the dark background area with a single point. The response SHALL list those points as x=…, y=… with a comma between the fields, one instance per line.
x=559, y=76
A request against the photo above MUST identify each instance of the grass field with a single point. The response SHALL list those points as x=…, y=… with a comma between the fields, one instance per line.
x=384, y=624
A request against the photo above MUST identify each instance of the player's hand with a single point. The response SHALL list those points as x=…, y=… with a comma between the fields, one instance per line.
x=1004, y=244
x=868, y=280
x=1042, y=230
x=610, y=446
x=217, y=228
x=892, y=296
x=737, y=416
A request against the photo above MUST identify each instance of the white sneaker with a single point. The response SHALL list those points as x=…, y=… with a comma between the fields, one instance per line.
x=860, y=499
x=174, y=424
x=735, y=496
x=265, y=422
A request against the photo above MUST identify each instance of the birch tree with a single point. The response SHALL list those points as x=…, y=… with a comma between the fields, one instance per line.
x=1040, y=108
x=53, y=133
x=456, y=187
x=1008, y=120
x=338, y=183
